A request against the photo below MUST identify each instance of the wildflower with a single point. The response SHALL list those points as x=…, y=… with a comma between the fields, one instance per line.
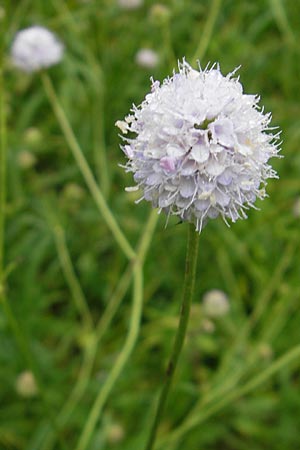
x=201, y=146
x=147, y=58
x=73, y=191
x=26, y=385
x=130, y=4
x=115, y=433
x=26, y=159
x=159, y=13
x=296, y=207
x=33, y=137
x=215, y=303
x=265, y=351
x=35, y=48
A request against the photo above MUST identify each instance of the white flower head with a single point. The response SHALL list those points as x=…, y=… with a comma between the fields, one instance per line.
x=130, y=4
x=201, y=146
x=296, y=207
x=215, y=303
x=147, y=58
x=35, y=48
x=26, y=385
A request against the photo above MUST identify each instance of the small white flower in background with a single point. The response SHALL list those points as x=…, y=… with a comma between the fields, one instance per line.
x=36, y=48
x=147, y=58
x=215, y=303
x=201, y=147
x=296, y=207
x=265, y=351
x=26, y=159
x=115, y=433
x=26, y=385
x=130, y=4
x=159, y=13
x=2, y=13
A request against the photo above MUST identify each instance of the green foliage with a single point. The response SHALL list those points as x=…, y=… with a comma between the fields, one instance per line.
x=50, y=214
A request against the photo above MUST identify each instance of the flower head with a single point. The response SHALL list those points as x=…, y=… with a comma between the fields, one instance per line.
x=201, y=146
x=147, y=58
x=26, y=385
x=215, y=303
x=130, y=4
x=35, y=48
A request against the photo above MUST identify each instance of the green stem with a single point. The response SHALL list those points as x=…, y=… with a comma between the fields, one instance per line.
x=188, y=291
x=85, y=169
x=97, y=83
x=120, y=362
x=70, y=276
x=124, y=282
x=235, y=394
x=207, y=31
x=20, y=337
x=2, y=168
x=102, y=326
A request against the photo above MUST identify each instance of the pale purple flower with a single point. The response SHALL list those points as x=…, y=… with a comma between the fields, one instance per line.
x=201, y=146
x=35, y=48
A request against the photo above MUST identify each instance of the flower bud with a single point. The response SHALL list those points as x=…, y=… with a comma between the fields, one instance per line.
x=215, y=303
x=26, y=385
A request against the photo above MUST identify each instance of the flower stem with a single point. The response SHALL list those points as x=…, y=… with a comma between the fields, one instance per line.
x=71, y=278
x=188, y=291
x=120, y=362
x=207, y=31
x=102, y=326
x=85, y=169
x=2, y=167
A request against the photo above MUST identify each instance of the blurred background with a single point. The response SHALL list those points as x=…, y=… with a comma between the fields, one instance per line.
x=246, y=314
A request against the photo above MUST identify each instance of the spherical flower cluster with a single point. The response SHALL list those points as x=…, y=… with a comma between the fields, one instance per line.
x=36, y=48
x=201, y=146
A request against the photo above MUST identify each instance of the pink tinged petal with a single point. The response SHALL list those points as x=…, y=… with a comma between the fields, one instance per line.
x=168, y=163
x=200, y=153
x=187, y=187
x=214, y=168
